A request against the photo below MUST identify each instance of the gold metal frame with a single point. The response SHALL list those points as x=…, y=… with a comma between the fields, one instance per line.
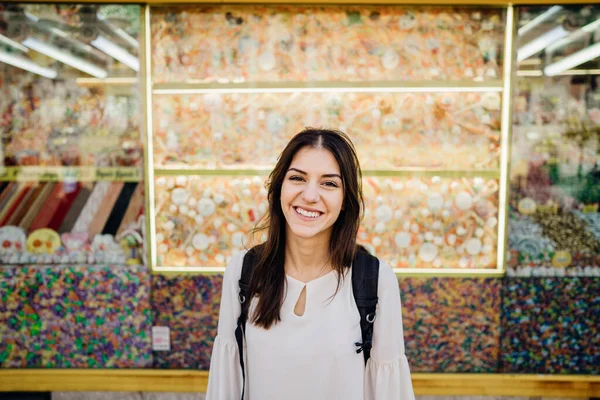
x=408, y=171
x=461, y=3
x=504, y=86
x=506, y=126
x=136, y=380
x=422, y=86
x=146, y=73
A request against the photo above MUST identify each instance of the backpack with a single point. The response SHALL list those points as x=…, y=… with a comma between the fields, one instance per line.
x=365, y=276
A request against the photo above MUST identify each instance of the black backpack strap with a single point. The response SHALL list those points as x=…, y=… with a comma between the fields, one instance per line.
x=243, y=297
x=365, y=277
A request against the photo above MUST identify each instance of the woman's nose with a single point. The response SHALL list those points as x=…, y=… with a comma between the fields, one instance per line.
x=310, y=193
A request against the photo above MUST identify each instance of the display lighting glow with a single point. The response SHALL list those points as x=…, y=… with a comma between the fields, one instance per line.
x=116, y=52
x=26, y=64
x=66, y=58
x=13, y=44
x=579, y=34
x=120, y=32
x=573, y=60
x=541, y=42
x=539, y=19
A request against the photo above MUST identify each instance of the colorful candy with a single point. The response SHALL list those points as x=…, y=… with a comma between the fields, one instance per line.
x=75, y=317
x=451, y=324
x=550, y=326
x=231, y=44
x=409, y=222
x=390, y=130
x=189, y=306
x=555, y=187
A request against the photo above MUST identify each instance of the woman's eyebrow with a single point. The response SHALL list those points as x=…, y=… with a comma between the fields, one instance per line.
x=322, y=176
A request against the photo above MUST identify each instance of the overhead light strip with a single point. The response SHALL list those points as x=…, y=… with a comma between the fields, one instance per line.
x=573, y=60
x=541, y=42
x=579, y=34
x=116, y=52
x=13, y=44
x=66, y=58
x=120, y=32
x=26, y=64
x=539, y=19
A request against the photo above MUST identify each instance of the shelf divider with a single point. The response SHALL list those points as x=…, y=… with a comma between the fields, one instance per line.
x=423, y=86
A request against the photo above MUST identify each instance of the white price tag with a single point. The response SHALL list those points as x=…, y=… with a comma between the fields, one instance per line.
x=161, y=338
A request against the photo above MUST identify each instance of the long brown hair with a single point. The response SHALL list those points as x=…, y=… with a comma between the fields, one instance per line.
x=268, y=275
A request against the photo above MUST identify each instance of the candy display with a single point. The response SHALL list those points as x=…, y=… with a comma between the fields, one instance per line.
x=412, y=223
x=282, y=43
x=431, y=222
x=62, y=123
x=389, y=130
x=203, y=221
x=71, y=222
x=189, y=306
x=409, y=222
x=550, y=326
x=451, y=324
x=555, y=179
x=72, y=151
x=464, y=339
x=75, y=317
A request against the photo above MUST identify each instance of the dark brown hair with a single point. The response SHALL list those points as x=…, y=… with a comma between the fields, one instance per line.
x=268, y=276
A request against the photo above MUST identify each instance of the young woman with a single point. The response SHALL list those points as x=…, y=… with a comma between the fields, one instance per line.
x=303, y=322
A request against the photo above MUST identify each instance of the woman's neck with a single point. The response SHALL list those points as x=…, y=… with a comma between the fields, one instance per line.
x=306, y=259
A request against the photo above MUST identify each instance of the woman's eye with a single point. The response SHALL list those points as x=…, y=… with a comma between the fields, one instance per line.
x=296, y=178
x=331, y=184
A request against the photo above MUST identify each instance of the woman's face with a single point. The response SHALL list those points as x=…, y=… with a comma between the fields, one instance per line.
x=312, y=194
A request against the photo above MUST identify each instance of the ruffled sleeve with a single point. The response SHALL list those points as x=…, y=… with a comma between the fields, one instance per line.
x=225, y=376
x=387, y=374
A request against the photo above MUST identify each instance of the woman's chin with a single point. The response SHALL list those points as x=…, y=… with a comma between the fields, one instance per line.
x=305, y=232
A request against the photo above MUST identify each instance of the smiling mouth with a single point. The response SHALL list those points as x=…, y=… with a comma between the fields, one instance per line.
x=307, y=214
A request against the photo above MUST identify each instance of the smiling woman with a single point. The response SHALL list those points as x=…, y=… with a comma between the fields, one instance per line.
x=303, y=328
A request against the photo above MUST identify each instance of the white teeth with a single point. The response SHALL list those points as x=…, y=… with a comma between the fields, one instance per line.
x=307, y=213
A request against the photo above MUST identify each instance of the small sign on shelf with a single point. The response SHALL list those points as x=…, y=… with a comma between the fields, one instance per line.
x=161, y=338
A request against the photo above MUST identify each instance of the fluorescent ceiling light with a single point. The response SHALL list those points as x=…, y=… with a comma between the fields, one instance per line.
x=117, y=52
x=330, y=90
x=13, y=44
x=578, y=34
x=66, y=58
x=26, y=64
x=120, y=32
x=541, y=42
x=539, y=19
x=575, y=59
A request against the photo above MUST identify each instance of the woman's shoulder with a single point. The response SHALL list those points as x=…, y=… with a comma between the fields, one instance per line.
x=387, y=277
x=233, y=270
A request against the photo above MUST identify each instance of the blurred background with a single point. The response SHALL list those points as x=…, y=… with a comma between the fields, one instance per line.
x=136, y=140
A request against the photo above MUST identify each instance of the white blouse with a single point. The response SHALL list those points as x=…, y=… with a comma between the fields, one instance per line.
x=313, y=356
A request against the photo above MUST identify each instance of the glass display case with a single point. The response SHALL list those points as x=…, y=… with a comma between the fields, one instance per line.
x=554, y=226
x=420, y=90
x=71, y=187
